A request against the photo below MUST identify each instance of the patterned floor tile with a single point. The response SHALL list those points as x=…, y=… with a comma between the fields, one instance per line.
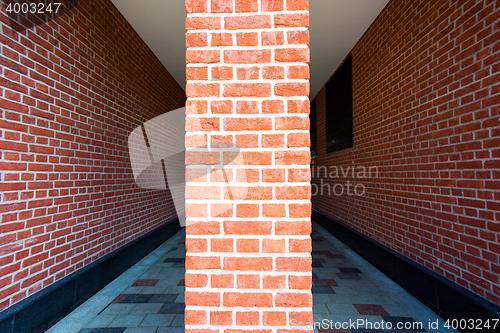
x=322, y=290
x=172, y=308
x=157, y=320
x=127, y=320
x=137, y=298
x=371, y=309
x=348, y=276
x=146, y=282
x=349, y=270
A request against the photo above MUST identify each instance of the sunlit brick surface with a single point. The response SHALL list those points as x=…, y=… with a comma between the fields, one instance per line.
x=248, y=263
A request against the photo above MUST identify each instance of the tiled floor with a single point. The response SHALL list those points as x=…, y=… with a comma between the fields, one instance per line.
x=346, y=289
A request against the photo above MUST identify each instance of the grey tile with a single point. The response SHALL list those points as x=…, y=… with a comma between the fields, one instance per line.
x=127, y=320
x=348, y=276
x=178, y=320
x=102, y=320
x=118, y=309
x=146, y=308
x=157, y=320
x=163, y=298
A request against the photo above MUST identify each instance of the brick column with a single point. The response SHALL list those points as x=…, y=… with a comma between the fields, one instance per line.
x=248, y=262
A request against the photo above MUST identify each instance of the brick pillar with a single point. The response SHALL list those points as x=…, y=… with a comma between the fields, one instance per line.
x=248, y=262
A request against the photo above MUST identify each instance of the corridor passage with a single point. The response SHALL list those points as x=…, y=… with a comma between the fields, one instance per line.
x=347, y=291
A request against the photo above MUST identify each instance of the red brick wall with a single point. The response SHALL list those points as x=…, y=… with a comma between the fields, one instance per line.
x=71, y=91
x=248, y=260
x=427, y=115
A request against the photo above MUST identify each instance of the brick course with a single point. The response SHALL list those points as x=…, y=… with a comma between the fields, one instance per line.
x=249, y=255
x=426, y=114
x=71, y=91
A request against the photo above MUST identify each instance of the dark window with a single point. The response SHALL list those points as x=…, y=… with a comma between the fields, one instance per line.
x=339, y=130
x=312, y=119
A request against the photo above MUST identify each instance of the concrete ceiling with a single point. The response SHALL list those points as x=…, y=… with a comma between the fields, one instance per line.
x=335, y=27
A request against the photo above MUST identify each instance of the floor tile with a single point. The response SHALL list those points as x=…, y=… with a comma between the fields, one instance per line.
x=118, y=309
x=146, y=282
x=102, y=320
x=150, y=296
x=157, y=320
x=127, y=320
x=172, y=308
x=371, y=309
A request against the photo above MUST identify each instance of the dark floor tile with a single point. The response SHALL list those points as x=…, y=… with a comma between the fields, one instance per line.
x=348, y=276
x=178, y=265
x=174, y=249
x=174, y=260
x=103, y=330
x=318, y=259
x=137, y=298
x=146, y=282
x=181, y=283
x=317, y=264
x=317, y=239
x=325, y=282
x=371, y=309
x=350, y=270
x=172, y=308
x=322, y=290
x=413, y=326
x=163, y=298
x=119, y=298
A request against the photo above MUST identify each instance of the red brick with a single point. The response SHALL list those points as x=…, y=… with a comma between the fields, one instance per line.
x=233, y=299
x=273, y=73
x=247, y=22
x=251, y=281
x=202, y=23
x=272, y=5
x=245, y=318
x=222, y=73
x=248, y=264
x=291, y=20
x=291, y=89
x=247, y=56
x=222, y=39
x=197, y=39
x=295, y=300
x=247, y=124
x=201, y=298
x=273, y=106
x=221, y=106
x=247, y=107
x=221, y=317
x=247, y=227
x=247, y=39
x=247, y=90
x=222, y=281
x=303, y=282
x=247, y=245
x=195, y=317
x=272, y=38
x=247, y=73
x=221, y=6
